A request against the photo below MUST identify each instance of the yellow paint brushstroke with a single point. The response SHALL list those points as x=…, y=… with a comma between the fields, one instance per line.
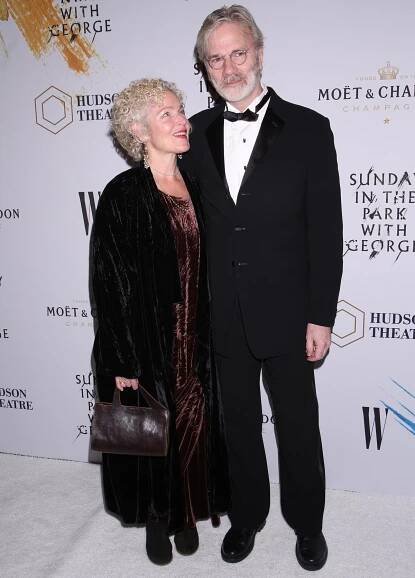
x=34, y=18
x=4, y=13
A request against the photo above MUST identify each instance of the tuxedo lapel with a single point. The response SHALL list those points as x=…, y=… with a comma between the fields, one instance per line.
x=219, y=196
x=271, y=128
x=214, y=135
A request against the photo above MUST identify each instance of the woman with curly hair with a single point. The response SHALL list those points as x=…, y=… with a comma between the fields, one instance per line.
x=150, y=288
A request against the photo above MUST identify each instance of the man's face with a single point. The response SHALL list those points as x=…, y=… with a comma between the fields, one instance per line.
x=238, y=84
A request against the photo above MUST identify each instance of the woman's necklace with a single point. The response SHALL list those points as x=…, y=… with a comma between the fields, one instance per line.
x=174, y=174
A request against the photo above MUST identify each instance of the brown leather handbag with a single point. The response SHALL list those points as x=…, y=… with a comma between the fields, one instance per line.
x=126, y=429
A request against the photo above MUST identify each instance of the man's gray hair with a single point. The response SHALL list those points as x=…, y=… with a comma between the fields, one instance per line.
x=236, y=14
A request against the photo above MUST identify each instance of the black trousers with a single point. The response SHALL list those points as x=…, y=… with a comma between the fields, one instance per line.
x=289, y=380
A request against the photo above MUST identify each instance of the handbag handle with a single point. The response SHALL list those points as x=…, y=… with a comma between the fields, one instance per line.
x=116, y=400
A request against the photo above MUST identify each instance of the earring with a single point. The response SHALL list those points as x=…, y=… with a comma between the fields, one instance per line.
x=145, y=157
x=180, y=156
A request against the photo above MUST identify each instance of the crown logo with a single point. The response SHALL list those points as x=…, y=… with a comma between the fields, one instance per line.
x=388, y=72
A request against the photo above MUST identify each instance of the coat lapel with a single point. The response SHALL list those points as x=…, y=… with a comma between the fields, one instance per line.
x=214, y=135
x=160, y=238
x=271, y=128
x=219, y=196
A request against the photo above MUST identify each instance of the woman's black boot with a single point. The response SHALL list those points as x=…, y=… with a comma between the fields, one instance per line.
x=158, y=543
x=187, y=541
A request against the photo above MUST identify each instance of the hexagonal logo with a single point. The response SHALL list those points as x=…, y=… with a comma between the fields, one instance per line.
x=53, y=109
x=349, y=326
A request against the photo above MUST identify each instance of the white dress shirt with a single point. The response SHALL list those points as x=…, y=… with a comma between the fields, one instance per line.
x=238, y=141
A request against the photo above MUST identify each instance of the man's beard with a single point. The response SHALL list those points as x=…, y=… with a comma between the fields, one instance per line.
x=234, y=94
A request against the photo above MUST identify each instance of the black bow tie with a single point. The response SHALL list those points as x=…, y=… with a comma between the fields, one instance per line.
x=247, y=115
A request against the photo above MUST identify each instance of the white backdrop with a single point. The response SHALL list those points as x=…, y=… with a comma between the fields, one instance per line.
x=353, y=62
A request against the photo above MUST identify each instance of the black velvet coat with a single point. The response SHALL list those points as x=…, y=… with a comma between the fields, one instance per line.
x=135, y=281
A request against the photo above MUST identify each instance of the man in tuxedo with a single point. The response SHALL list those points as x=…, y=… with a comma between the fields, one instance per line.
x=271, y=197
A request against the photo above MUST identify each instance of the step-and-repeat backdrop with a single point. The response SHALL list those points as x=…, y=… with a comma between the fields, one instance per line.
x=62, y=63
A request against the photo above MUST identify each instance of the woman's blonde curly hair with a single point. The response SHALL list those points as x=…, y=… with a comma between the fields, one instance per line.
x=131, y=105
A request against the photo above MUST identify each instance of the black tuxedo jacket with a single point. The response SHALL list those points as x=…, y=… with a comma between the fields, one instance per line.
x=278, y=250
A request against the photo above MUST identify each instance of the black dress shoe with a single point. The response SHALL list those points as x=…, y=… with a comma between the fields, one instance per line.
x=158, y=545
x=187, y=541
x=311, y=551
x=238, y=543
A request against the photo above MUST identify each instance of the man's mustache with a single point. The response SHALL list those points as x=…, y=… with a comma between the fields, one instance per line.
x=232, y=78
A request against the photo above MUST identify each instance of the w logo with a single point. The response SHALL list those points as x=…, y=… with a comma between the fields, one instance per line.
x=88, y=207
x=373, y=425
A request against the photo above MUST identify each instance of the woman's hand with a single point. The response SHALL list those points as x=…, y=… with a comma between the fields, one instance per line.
x=121, y=382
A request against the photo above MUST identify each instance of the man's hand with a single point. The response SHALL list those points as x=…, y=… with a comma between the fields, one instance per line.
x=121, y=382
x=318, y=338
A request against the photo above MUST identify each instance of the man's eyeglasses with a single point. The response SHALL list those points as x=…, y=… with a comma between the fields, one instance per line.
x=237, y=57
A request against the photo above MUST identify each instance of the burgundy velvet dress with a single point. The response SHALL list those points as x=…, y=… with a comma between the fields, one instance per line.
x=188, y=394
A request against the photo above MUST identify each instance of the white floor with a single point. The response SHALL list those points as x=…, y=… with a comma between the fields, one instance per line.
x=52, y=523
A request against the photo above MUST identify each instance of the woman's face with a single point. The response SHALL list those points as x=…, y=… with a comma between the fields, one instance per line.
x=167, y=129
